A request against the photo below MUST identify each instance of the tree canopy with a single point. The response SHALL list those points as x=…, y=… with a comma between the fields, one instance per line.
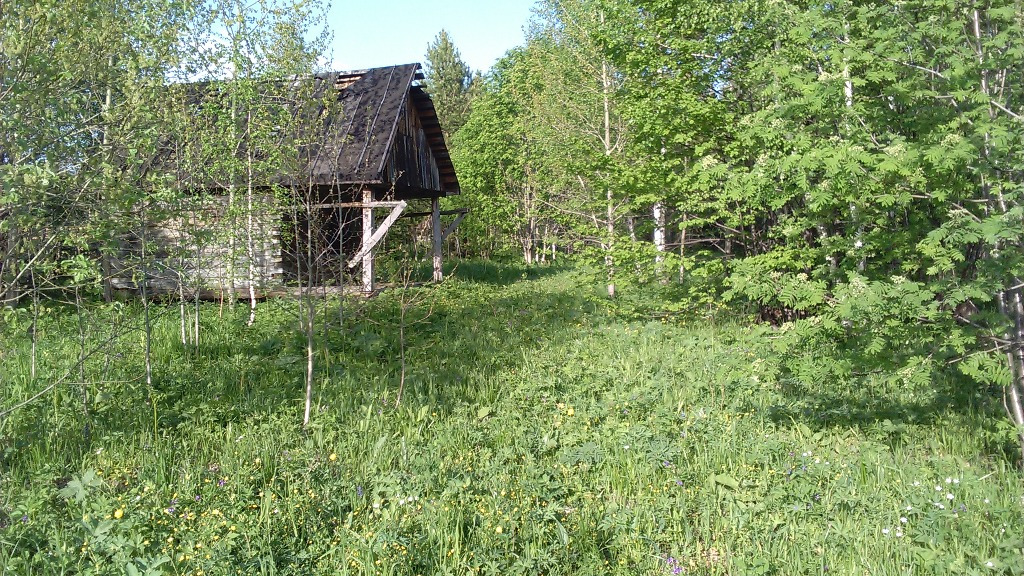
x=850, y=171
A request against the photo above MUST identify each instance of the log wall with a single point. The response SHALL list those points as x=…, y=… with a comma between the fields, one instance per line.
x=204, y=250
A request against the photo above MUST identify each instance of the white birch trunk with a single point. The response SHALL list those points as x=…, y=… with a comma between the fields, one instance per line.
x=310, y=356
x=1011, y=302
x=250, y=247
x=660, y=242
x=231, y=227
x=609, y=260
x=854, y=217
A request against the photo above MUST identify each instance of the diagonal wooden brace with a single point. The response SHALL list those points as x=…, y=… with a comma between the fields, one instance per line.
x=378, y=234
x=454, y=224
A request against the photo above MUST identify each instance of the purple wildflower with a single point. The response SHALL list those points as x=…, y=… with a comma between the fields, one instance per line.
x=673, y=565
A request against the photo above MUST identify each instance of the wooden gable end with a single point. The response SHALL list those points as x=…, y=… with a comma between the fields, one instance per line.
x=424, y=107
x=411, y=164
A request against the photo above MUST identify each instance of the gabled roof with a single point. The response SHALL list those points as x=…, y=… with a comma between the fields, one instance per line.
x=357, y=142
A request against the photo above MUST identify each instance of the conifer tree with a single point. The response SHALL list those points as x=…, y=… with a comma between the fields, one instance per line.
x=448, y=81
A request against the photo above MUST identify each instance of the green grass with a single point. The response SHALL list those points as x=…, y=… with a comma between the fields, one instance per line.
x=541, y=432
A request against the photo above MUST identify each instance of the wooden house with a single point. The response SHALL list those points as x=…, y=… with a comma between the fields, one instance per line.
x=374, y=145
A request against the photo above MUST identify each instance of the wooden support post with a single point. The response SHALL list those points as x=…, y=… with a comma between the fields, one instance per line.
x=435, y=224
x=370, y=243
x=367, y=234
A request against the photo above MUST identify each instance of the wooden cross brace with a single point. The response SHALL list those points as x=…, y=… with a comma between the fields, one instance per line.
x=378, y=234
x=453, y=225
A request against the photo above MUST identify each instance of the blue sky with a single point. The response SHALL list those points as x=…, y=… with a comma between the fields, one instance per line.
x=371, y=33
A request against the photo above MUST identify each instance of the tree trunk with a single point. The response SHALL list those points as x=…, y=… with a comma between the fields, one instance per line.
x=108, y=102
x=1010, y=304
x=33, y=330
x=606, y=93
x=1009, y=300
x=309, y=321
x=854, y=216
x=182, y=315
x=250, y=245
x=682, y=250
x=86, y=428
x=660, y=243
x=231, y=227
x=147, y=321
x=609, y=260
x=198, y=281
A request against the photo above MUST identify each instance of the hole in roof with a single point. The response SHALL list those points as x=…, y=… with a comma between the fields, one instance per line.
x=345, y=81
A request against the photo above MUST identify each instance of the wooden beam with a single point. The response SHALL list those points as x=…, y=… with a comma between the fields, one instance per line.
x=435, y=224
x=443, y=213
x=371, y=240
x=366, y=254
x=356, y=205
x=454, y=224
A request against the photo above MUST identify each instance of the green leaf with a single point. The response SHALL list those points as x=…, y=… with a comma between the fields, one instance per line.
x=727, y=481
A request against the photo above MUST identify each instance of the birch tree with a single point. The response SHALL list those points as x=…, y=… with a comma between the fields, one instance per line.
x=82, y=88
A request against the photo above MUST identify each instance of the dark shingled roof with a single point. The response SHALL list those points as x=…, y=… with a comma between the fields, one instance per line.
x=357, y=142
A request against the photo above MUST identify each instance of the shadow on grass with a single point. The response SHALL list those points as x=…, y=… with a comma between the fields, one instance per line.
x=491, y=272
x=503, y=273
x=460, y=339
x=898, y=416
